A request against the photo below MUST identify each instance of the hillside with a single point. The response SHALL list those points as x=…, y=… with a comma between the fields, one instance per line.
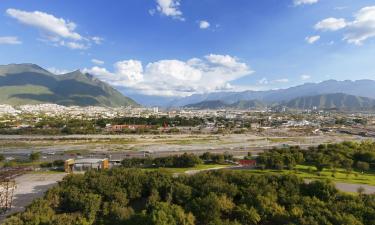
x=332, y=101
x=217, y=104
x=338, y=101
x=249, y=104
x=30, y=84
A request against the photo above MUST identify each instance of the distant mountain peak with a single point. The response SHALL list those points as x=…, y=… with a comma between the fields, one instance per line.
x=22, y=67
x=363, y=88
x=338, y=101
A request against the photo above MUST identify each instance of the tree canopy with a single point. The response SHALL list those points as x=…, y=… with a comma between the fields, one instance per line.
x=133, y=196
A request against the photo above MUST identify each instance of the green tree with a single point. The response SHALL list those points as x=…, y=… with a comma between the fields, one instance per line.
x=34, y=156
x=164, y=213
x=363, y=166
x=246, y=216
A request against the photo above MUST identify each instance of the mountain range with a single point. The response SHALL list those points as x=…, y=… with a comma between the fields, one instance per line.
x=337, y=101
x=218, y=104
x=30, y=84
x=362, y=88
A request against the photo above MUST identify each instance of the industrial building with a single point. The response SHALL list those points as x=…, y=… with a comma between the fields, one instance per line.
x=72, y=165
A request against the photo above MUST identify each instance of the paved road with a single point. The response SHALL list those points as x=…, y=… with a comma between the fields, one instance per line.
x=48, y=157
x=354, y=188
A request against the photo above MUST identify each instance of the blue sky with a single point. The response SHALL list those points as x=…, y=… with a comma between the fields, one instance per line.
x=178, y=48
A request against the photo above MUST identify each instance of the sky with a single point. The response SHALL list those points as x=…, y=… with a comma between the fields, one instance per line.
x=184, y=47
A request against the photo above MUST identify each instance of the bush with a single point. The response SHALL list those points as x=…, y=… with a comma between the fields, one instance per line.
x=35, y=156
x=46, y=165
x=58, y=163
x=363, y=166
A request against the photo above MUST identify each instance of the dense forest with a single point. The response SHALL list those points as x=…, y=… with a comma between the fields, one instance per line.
x=133, y=196
x=347, y=155
x=182, y=161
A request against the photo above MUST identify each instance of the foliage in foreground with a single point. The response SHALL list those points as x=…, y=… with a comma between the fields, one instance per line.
x=131, y=196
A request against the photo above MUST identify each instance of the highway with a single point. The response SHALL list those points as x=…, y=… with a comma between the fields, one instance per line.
x=50, y=157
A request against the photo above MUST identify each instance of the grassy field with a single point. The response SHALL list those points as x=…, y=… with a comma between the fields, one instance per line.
x=183, y=170
x=310, y=173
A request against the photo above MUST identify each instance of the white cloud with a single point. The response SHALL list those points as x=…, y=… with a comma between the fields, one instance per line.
x=203, y=24
x=341, y=7
x=356, y=31
x=97, y=40
x=169, y=8
x=331, y=24
x=57, y=71
x=47, y=22
x=58, y=31
x=9, y=40
x=283, y=80
x=263, y=81
x=73, y=45
x=304, y=2
x=363, y=27
x=305, y=77
x=130, y=70
x=97, y=61
x=175, y=77
x=224, y=60
x=312, y=39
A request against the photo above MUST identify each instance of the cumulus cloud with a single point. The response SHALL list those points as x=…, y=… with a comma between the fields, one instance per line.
x=331, y=24
x=203, y=24
x=304, y=2
x=356, y=31
x=56, y=30
x=97, y=61
x=312, y=39
x=175, y=77
x=170, y=8
x=363, y=26
x=9, y=40
x=305, y=77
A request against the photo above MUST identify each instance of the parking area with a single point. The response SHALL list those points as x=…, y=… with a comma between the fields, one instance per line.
x=31, y=186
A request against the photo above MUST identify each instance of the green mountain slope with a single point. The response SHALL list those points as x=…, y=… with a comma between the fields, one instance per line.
x=30, y=84
x=332, y=101
x=217, y=104
x=325, y=101
x=247, y=104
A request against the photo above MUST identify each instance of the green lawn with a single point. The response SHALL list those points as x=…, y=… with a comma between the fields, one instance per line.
x=310, y=172
x=183, y=170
